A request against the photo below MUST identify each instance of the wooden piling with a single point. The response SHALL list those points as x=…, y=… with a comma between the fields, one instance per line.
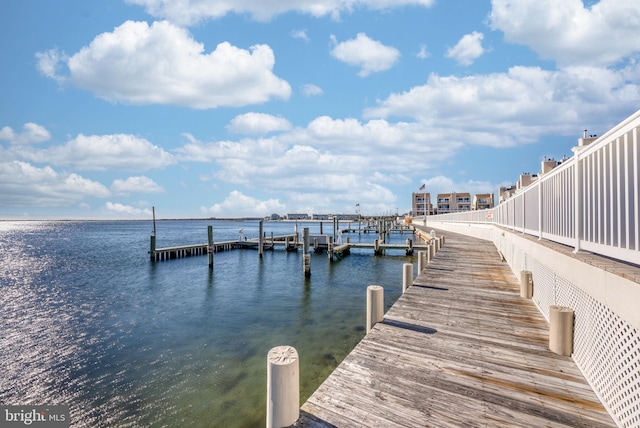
x=306, y=257
x=526, y=284
x=283, y=387
x=375, y=305
x=210, y=245
x=407, y=276
x=421, y=261
x=260, y=239
x=152, y=248
x=561, y=330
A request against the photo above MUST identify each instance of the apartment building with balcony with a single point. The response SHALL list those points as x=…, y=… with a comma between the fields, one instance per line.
x=421, y=203
x=482, y=201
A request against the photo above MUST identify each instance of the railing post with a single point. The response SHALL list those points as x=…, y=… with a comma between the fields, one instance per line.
x=577, y=209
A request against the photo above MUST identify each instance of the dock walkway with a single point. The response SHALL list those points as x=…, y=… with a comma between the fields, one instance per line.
x=459, y=348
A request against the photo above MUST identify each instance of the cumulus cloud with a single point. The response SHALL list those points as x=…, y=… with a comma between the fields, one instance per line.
x=163, y=64
x=311, y=90
x=240, y=205
x=300, y=34
x=368, y=54
x=139, y=184
x=423, y=53
x=569, y=32
x=468, y=49
x=104, y=152
x=443, y=184
x=31, y=133
x=187, y=12
x=258, y=124
x=504, y=109
x=22, y=184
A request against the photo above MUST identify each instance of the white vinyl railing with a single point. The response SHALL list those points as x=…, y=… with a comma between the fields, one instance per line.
x=589, y=201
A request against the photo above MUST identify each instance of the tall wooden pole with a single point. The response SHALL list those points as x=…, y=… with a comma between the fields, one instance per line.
x=210, y=246
x=260, y=240
x=306, y=257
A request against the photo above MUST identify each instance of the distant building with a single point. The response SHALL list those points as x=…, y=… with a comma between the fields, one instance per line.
x=453, y=202
x=421, y=202
x=321, y=217
x=449, y=203
x=297, y=216
x=482, y=201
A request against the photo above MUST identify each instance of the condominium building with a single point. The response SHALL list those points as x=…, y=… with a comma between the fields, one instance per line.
x=449, y=202
x=453, y=202
x=482, y=201
x=421, y=203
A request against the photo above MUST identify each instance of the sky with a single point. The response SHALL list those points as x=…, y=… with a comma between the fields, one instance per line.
x=237, y=108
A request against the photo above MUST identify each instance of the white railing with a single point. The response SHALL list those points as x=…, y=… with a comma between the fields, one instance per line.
x=589, y=202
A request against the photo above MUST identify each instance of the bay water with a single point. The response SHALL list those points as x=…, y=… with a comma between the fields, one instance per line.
x=87, y=320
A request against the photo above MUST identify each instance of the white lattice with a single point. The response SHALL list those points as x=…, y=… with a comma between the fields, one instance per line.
x=606, y=348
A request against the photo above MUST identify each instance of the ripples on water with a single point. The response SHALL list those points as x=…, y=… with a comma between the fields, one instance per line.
x=87, y=320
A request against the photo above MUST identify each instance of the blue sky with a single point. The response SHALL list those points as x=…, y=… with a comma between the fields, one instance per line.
x=207, y=108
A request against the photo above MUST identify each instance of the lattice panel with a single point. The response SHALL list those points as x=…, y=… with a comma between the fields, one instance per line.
x=606, y=348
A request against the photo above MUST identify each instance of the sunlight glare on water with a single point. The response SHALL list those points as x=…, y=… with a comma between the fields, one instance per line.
x=89, y=321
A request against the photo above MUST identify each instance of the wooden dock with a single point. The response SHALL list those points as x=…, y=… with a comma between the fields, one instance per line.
x=459, y=348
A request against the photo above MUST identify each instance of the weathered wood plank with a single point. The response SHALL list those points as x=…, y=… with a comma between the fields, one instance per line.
x=459, y=348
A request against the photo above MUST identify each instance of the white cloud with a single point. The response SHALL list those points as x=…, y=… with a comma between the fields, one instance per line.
x=311, y=90
x=238, y=204
x=140, y=184
x=370, y=55
x=443, y=184
x=258, y=124
x=127, y=209
x=163, y=64
x=32, y=133
x=568, y=32
x=504, y=109
x=22, y=184
x=188, y=12
x=468, y=49
x=300, y=34
x=104, y=152
x=423, y=53
x=49, y=63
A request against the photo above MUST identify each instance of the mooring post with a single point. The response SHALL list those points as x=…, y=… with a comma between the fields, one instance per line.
x=283, y=387
x=330, y=248
x=260, y=240
x=376, y=247
x=375, y=305
x=409, y=247
x=561, y=330
x=407, y=276
x=421, y=261
x=335, y=228
x=526, y=284
x=210, y=246
x=306, y=257
x=152, y=248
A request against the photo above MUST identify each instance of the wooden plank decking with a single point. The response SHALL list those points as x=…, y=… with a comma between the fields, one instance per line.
x=459, y=349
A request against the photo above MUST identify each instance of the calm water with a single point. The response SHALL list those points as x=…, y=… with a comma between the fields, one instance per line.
x=87, y=320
